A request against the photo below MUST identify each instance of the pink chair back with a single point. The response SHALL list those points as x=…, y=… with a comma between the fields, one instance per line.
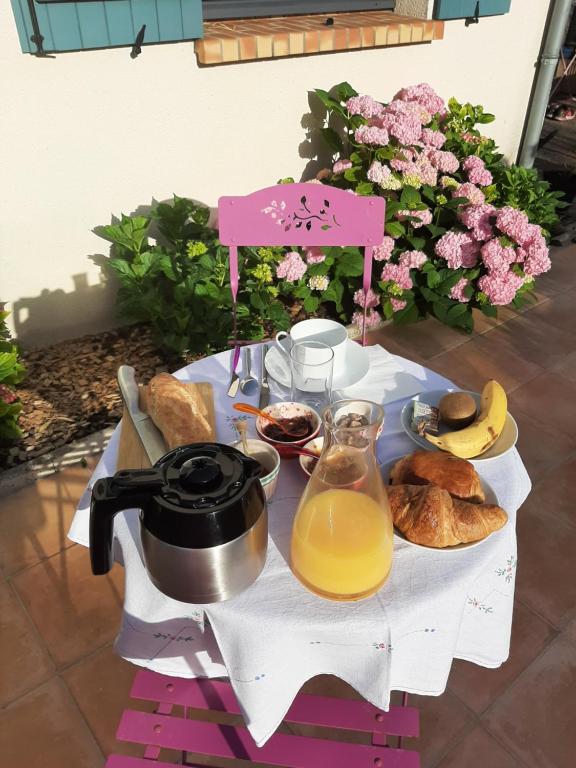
x=301, y=215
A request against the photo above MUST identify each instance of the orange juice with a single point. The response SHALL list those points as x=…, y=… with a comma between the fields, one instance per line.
x=342, y=544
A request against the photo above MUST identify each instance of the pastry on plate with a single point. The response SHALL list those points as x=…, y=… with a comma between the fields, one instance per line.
x=457, y=476
x=428, y=515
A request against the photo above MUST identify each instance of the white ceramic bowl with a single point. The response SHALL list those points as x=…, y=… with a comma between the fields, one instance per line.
x=269, y=458
x=505, y=442
x=288, y=411
x=491, y=498
x=306, y=461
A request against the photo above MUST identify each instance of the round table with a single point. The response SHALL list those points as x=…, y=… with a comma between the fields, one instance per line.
x=436, y=605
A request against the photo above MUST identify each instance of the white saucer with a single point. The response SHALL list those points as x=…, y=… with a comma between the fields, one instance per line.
x=354, y=368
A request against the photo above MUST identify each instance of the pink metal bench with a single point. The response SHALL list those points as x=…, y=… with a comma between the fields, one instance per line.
x=167, y=729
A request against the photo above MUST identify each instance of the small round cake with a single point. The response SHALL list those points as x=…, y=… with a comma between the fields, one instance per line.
x=457, y=410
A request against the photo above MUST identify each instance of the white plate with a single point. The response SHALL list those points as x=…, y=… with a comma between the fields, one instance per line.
x=505, y=442
x=491, y=498
x=355, y=367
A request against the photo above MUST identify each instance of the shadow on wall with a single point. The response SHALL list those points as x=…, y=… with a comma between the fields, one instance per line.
x=54, y=316
x=314, y=148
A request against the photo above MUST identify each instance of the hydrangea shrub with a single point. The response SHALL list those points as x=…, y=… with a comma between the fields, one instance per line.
x=451, y=243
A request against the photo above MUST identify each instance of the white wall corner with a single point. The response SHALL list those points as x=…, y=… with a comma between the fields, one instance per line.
x=420, y=9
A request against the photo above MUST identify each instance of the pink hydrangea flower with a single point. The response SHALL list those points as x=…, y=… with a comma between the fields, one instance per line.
x=457, y=291
x=413, y=259
x=371, y=301
x=474, y=195
x=459, y=249
x=341, y=165
x=446, y=162
x=501, y=288
x=496, y=257
x=424, y=95
x=398, y=304
x=420, y=172
x=365, y=106
x=425, y=217
x=384, y=251
x=371, y=134
x=402, y=121
x=478, y=218
x=292, y=267
x=515, y=224
x=404, y=160
x=398, y=274
x=536, y=258
x=435, y=139
x=382, y=175
x=314, y=255
x=477, y=172
x=471, y=138
x=372, y=318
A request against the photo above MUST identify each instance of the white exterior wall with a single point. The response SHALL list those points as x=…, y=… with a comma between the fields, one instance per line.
x=90, y=134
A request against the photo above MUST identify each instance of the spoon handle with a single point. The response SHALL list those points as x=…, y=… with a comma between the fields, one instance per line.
x=247, y=408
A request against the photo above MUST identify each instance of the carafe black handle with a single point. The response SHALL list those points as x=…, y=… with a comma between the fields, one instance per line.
x=110, y=495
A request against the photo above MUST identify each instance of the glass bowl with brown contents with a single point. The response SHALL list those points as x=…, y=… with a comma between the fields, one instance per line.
x=298, y=418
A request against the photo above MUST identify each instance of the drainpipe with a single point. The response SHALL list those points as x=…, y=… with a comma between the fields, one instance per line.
x=547, y=63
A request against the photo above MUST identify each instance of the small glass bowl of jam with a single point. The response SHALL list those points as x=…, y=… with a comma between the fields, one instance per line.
x=297, y=417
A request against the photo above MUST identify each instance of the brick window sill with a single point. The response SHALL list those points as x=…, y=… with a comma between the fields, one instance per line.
x=225, y=42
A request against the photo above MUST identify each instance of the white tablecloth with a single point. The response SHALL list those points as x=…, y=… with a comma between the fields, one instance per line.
x=436, y=605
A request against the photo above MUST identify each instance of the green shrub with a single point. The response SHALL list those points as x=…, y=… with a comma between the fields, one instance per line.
x=11, y=372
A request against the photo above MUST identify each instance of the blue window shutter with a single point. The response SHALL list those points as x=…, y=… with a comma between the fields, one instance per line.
x=464, y=9
x=73, y=26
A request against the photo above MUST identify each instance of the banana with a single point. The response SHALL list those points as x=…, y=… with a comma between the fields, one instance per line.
x=484, y=430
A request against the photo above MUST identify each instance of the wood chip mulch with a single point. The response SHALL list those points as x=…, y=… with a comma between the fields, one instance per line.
x=70, y=390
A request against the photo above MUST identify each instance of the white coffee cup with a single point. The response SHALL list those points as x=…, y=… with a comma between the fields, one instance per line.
x=328, y=332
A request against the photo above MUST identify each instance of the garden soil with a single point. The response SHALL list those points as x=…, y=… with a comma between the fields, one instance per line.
x=70, y=390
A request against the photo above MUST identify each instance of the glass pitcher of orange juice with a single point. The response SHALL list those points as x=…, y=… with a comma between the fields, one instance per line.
x=342, y=535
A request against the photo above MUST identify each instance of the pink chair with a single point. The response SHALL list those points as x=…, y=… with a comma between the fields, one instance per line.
x=301, y=215
x=175, y=731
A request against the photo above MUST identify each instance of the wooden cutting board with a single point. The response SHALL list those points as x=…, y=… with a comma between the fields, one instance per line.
x=131, y=453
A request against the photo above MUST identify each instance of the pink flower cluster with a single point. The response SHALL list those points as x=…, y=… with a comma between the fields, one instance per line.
x=372, y=318
x=435, y=139
x=478, y=219
x=477, y=171
x=398, y=304
x=474, y=195
x=292, y=267
x=533, y=253
x=459, y=249
x=497, y=258
x=500, y=287
x=424, y=217
x=446, y=162
x=412, y=259
x=382, y=175
x=515, y=224
x=372, y=135
x=365, y=106
x=424, y=95
x=371, y=300
x=314, y=255
x=403, y=121
x=398, y=274
x=457, y=291
x=341, y=165
x=383, y=252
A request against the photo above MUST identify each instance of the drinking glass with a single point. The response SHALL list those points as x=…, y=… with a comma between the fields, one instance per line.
x=311, y=367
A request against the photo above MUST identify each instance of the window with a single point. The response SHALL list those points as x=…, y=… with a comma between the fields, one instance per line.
x=243, y=9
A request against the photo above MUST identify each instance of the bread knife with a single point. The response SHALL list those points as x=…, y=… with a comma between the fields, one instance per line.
x=234, y=377
x=264, y=386
x=148, y=432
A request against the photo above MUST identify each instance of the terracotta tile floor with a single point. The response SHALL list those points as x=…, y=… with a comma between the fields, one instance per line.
x=62, y=688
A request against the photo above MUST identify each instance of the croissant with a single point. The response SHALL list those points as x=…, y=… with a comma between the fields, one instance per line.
x=178, y=411
x=457, y=476
x=428, y=515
